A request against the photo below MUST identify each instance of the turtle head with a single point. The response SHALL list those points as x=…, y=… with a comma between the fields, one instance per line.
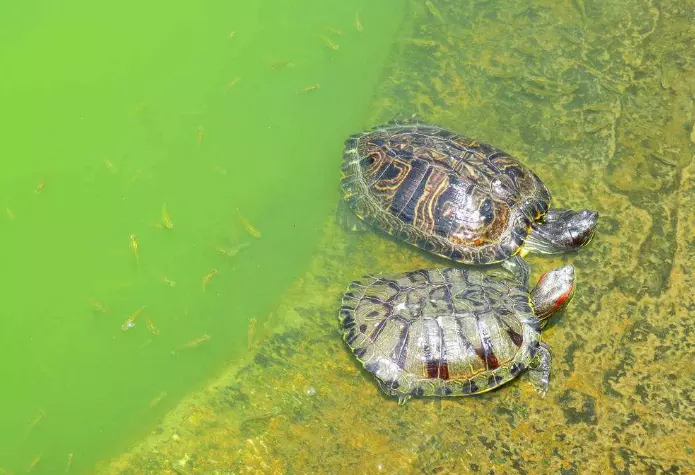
x=553, y=292
x=562, y=230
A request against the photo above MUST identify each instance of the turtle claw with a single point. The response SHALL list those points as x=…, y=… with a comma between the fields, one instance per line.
x=403, y=398
x=539, y=370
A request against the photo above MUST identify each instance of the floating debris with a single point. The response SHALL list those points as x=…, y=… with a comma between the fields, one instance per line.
x=67, y=468
x=130, y=321
x=40, y=186
x=232, y=34
x=201, y=135
x=315, y=87
x=208, y=277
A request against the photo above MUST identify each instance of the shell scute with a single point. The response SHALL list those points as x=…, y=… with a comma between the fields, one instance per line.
x=442, y=192
x=440, y=332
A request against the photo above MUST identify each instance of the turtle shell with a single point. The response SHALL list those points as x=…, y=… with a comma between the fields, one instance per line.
x=442, y=192
x=440, y=332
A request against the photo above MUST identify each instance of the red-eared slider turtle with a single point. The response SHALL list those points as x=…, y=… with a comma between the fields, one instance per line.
x=454, y=197
x=451, y=332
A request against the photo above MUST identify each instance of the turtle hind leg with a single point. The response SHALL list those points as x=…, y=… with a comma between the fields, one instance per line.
x=518, y=266
x=347, y=219
x=539, y=369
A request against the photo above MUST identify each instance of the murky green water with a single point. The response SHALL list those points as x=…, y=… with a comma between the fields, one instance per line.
x=114, y=112
x=214, y=111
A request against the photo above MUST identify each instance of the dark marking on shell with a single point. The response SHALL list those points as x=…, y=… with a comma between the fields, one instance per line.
x=469, y=387
x=516, y=368
x=516, y=338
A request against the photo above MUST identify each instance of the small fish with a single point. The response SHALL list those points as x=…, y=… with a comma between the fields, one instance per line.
x=358, y=23
x=251, y=332
x=335, y=31
x=157, y=399
x=329, y=43
x=164, y=279
x=249, y=227
x=67, y=469
x=34, y=463
x=110, y=166
x=136, y=175
x=315, y=87
x=135, y=246
x=232, y=251
x=98, y=307
x=233, y=82
x=166, y=219
x=208, y=277
x=130, y=321
x=434, y=10
x=201, y=134
x=152, y=327
x=195, y=343
x=232, y=34
x=40, y=186
x=36, y=420
x=281, y=65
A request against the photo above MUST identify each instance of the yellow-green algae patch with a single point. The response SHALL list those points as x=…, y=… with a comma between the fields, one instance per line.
x=597, y=98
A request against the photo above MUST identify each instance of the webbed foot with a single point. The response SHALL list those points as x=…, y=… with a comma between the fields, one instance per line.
x=539, y=369
x=347, y=219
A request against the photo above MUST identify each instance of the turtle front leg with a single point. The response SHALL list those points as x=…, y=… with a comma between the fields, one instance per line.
x=347, y=219
x=539, y=369
x=518, y=266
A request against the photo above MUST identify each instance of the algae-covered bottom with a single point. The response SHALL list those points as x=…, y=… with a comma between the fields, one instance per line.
x=597, y=100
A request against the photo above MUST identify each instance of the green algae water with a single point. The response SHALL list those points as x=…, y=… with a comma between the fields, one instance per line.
x=208, y=138
x=165, y=168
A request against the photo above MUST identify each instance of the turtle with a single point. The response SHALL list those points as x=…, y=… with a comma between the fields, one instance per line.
x=452, y=331
x=454, y=197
